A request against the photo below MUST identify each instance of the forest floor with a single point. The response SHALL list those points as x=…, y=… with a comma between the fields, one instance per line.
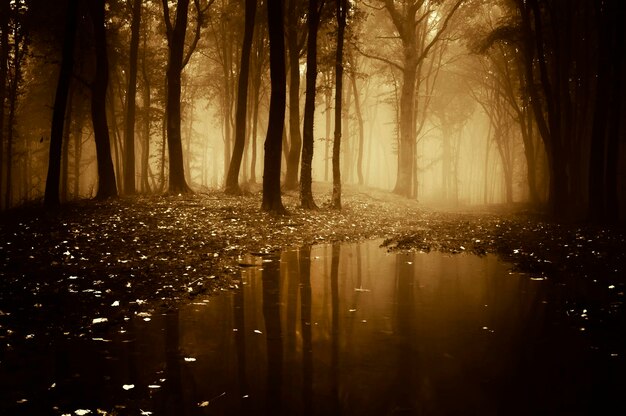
x=101, y=261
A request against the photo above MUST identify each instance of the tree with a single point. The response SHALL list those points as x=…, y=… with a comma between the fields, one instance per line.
x=232, y=180
x=342, y=17
x=294, y=46
x=4, y=57
x=129, y=132
x=51, y=197
x=418, y=34
x=107, y=187
x=306, y=174
x=273, y=142
x=177, y=60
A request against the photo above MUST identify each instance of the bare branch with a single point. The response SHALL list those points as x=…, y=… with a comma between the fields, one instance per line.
x=168, y=22
x=444, y=26
x=196, y=37
x=379, y=58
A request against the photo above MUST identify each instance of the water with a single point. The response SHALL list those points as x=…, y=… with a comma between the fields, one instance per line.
x=343, y=329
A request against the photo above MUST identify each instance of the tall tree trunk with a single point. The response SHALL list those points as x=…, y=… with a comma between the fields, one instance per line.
x=306, y=171
x=65, y=150
x=51, y=196
x=273, y=142
x=176, y=44
x=4, y=57
x=232, y=180
x=341, y=14
x=131, y=92
x=293, y=158
x=359, y=116
x=107, y=187
x=78, y=149
x=147, y=102
x=19, y=50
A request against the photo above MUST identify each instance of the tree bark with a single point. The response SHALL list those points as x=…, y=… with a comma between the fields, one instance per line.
x=306, y=171
x=295, y=147
x=131, y=92
x=359, y=116
x=147, y=102
x=232, y=180
x=176, y=44
x=4, y=57
x=341, y=14
x=273, y=142
x=107, y=187
x=51, y=196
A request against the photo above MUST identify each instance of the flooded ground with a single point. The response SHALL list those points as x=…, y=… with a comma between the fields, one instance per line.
x=341, y=329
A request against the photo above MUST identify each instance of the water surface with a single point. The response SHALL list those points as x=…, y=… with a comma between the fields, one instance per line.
x=337, y=329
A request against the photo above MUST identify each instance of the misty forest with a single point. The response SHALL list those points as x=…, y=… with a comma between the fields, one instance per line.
x=312, y=207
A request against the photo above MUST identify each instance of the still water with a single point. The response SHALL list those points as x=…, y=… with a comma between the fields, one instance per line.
x=340, y=329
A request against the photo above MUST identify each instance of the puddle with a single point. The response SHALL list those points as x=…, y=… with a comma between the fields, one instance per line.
x=345, y=329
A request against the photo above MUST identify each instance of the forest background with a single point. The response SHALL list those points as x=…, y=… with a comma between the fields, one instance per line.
x=450, y=102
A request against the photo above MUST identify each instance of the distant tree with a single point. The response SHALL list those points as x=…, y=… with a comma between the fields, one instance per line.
x=51, y=197
x=232, y=180
x=306, y=174
x=129, y=131
x=418, y=33
x=342, y=18
x=273, y=142
x=106, y=175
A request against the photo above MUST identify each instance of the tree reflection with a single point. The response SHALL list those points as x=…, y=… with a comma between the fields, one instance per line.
x=404, y=332
x=240, y=345
x=271, y=314
x=305, y=324
x=334, y=362
x=173, y=397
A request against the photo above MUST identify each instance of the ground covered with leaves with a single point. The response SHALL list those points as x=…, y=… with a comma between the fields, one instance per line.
x=98, y=262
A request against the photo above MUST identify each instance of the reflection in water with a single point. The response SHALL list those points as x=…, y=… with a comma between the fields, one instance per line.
x=273, y=337
x=348, y=330
x=305, y=325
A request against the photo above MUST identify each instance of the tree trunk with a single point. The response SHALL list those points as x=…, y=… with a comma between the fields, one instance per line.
x=293, y=158
x=147, y=102
x=306, y=171
x=407, y=138
x=4, y=57
x=65, y=152
x=78, y=149
x=232, y=180
x=359, y=116
x=51, y=196
x=107, y=187
x=273, y=142
x=342, y=13
x=328, y=100
x=131, y=92
x=176, y=44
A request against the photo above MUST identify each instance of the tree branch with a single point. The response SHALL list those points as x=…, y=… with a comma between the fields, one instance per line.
x=168, y=23
x=444, y=26
x=379, y=58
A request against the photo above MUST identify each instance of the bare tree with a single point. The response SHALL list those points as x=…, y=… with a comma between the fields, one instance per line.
x=232, y=180
x=273, y=142
x=342, y=18
x=306, y=174
x=129, y=132
x=51, y=197
x=177, y=61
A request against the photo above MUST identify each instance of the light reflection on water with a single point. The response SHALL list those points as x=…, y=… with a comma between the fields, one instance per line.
x=344, y=329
